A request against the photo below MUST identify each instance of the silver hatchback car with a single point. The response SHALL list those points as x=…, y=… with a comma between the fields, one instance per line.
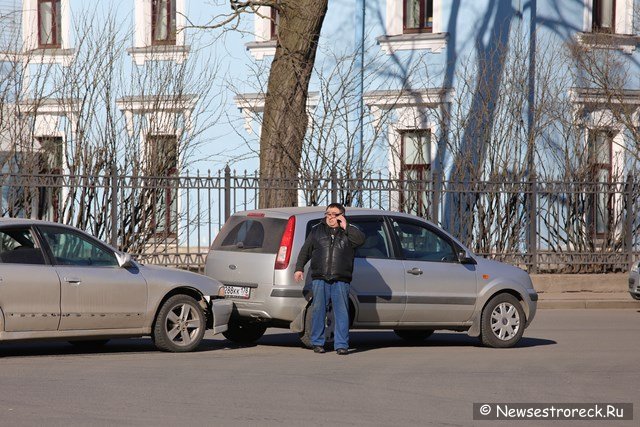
x=409, y=276
x=57, y=282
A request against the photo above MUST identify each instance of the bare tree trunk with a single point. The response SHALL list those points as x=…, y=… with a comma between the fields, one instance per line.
x=285, y=116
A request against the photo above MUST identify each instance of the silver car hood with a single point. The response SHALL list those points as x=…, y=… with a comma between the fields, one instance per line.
x=171, y=277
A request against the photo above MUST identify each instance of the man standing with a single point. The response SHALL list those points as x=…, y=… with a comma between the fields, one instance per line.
x=331, y=247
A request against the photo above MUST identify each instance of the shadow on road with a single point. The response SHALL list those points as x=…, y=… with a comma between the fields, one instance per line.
x=361, y=341
x=63, y=348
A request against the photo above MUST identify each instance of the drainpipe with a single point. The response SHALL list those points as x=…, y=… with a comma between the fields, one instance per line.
x=358, y=150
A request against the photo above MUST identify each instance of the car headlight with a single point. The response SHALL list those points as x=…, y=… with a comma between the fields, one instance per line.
x=636, y=267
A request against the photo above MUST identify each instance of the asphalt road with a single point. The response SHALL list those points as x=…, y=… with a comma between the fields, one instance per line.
x=566, y=356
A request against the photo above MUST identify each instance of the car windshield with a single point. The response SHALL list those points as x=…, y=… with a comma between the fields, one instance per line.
x=251, y=234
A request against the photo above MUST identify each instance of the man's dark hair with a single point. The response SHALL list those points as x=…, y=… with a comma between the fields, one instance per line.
x=337, y=206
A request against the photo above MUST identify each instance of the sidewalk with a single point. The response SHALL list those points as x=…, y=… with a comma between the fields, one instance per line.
x=583, y=291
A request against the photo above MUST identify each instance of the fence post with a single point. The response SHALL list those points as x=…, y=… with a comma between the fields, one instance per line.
x=227, y=192
x=628, y=223
x=532, y=241
x=334, y=186
x=114, y=205
x=435, y=191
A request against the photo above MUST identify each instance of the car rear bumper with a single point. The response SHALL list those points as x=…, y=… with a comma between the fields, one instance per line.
x=282, y=305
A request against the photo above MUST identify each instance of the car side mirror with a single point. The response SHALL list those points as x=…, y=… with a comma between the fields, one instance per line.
x=124, y=260
x=464, y=258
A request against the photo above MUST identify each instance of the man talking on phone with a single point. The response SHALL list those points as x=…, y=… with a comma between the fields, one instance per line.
x=330, y=246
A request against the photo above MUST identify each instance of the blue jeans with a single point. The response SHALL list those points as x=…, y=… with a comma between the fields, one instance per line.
x=338, y=294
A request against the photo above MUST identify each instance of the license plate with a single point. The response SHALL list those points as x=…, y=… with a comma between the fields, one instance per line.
x=237, y=291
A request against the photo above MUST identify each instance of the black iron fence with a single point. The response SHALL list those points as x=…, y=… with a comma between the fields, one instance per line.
x=539, y=225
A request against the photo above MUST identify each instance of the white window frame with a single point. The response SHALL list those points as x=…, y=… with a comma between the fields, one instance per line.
x=623, y=38
x=48, y=113
x=412, y=111
x=159, y=116
x=623, y=17
x=590, y=111
x=263, y=45
x=251, y=106
x=143, y=48
x=32, y=51
x=159, y=111
x=394, y=39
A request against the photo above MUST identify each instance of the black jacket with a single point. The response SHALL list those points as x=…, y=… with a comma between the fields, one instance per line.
x=331, y=257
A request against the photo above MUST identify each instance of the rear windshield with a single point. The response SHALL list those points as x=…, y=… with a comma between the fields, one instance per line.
x=250, y=234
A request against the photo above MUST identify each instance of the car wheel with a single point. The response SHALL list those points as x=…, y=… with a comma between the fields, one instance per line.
x=502, y=323
x=89, y=343
x=635, y=296
x=180, y=324
x=412, y=335
x=244, y=332
x=305, y=336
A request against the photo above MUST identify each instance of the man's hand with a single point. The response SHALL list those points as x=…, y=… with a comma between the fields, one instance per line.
x=342, y=222
x=298, y=276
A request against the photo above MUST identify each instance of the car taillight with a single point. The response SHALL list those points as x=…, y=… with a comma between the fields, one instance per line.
x=284, y=253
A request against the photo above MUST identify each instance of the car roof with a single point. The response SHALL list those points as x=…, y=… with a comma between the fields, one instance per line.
x=28, y=221
x=4, y=222
x=286, y=212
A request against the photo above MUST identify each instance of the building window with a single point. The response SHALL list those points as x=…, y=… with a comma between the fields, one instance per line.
x=49, y=165
x=415, y=166
x=162, y=170
x=275, y=23
x=604, y=16
x=50, y=155
x=599, y=201
x=418, y=16
x=49, y=24
x=163, y=22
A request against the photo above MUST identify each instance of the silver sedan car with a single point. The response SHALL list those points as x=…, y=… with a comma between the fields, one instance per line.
x=634, y=280
x=57, y=282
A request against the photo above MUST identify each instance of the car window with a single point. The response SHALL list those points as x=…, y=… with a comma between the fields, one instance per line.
x=419, y=242
x=69, y=248
x=376, y=243
x=18, y=246
x=241, y=233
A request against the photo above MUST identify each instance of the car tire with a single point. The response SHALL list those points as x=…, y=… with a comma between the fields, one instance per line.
x=241, y=332
x=503, y=322
x=635, y=296
x=413, y=335
x=180, y=324
x=305, y=336
x=89, y=343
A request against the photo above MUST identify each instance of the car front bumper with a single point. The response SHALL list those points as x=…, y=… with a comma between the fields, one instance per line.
x=220, y=310
x=634, y=285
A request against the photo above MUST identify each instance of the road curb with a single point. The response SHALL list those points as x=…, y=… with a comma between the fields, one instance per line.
x=587, y=303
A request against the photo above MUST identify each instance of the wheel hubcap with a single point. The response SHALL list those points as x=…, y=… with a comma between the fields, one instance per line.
x=182, y=325
x=505, y=321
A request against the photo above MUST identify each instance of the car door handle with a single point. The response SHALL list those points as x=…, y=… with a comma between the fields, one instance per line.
x=415, y=271
x=73, y=280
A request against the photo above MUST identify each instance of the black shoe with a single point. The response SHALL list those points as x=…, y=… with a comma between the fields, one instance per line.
x=342, y=351
x=318, y=349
